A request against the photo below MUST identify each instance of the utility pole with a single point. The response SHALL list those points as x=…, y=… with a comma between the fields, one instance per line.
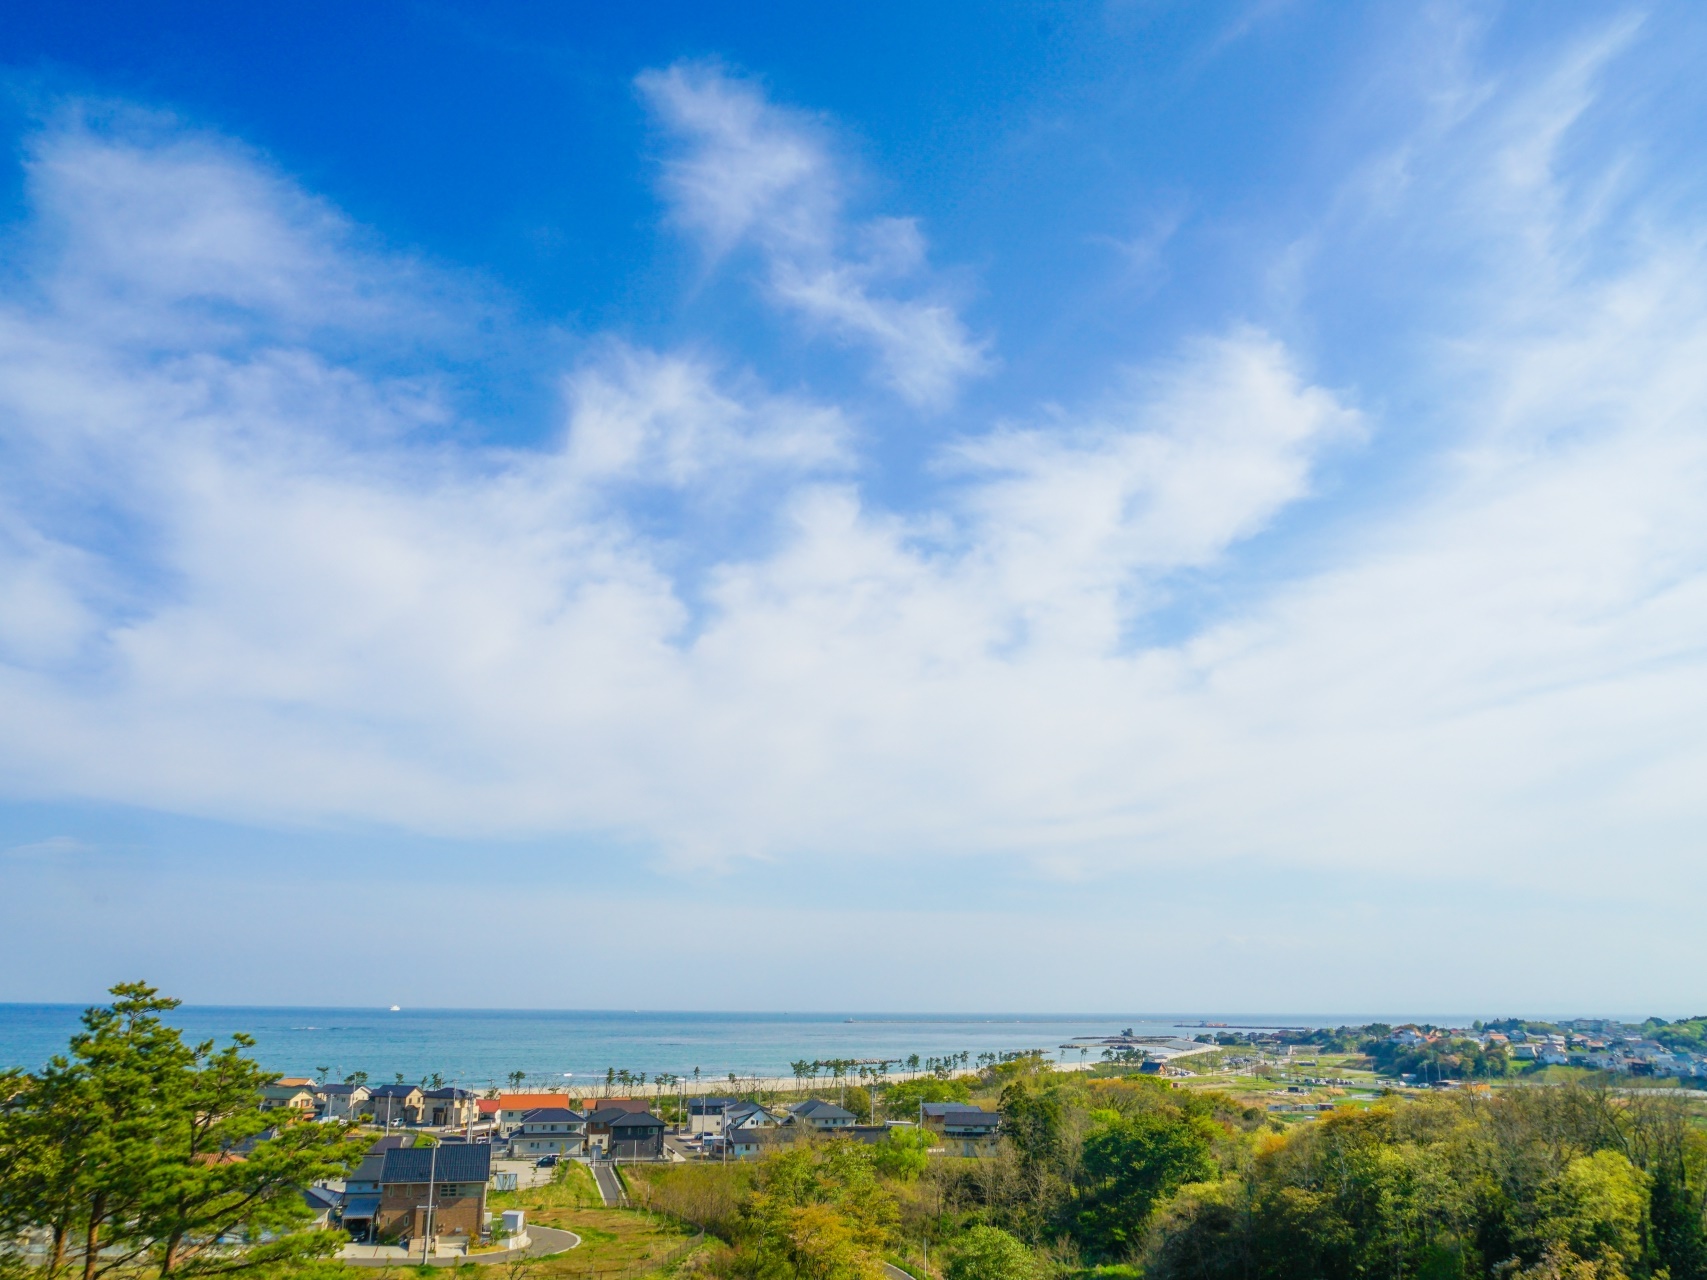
x=427, y=1235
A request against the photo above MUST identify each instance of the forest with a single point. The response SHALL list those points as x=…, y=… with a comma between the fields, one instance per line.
x=1133, y=1177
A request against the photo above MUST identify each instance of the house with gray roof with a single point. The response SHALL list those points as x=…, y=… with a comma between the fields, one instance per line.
x=549, y=1131
x=449, y=1107
x=342, y=1101
x=815, y=1113
x=620, y=1134
x=391, y=1104
x=361, y=1188
x=439, y=1190
x=966, y=1130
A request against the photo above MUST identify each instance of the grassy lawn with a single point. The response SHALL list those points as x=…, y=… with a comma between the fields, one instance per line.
x=616, y=1244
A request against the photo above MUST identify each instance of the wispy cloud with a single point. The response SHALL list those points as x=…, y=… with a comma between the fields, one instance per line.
x=1493, y=674
x=53, y=848
x=639, y=416
x=750, y=172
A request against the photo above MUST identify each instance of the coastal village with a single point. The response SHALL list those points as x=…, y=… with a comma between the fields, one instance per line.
x=438, y=1151
x=441, y=1150
x=439, y=1173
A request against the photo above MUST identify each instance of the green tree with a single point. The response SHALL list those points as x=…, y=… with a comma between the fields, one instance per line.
x=232, y=1171
x=123, y=1076
x=44, y=1132
x=989, y=1253
x=1597, y=1208
x=1130, y=1163
x=903, y=1154
x=904, y=1098
x=1034, y=1120
x=134, y=1149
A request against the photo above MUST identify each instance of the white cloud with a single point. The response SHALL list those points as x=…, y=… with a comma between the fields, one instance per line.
x=664, y=420
x=1205, y=454
x=751, y=172
x=185, y=241
x=1496, y=676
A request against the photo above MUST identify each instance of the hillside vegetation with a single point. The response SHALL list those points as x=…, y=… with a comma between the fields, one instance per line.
x=1132, y=1176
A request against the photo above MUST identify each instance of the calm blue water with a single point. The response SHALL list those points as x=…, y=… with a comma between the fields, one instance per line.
x=482, y=1047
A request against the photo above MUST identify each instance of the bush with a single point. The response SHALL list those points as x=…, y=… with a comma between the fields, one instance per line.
x=899, y=1099
x=904, y=1154
x=989, y=1253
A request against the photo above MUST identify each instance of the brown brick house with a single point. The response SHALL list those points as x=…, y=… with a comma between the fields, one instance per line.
x=444, y=1186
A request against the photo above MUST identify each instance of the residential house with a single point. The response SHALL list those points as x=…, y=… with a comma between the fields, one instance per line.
x=740, y=1144
x=706, y=1115
x=748, y=1131
x=617, y=1133
x=636, y=1135
x=342, y=1101
x=450, y=1108
x=391, y=1104
x=361, y=1188
x=513, y=1106
x=635, y=1105
x=749, y=1116
x=290, y=1097
x=322, y=1206
x=745, y=1144
x=439, y=1189
x=966, y=1130
x=820, y=1115
x=549, y=1131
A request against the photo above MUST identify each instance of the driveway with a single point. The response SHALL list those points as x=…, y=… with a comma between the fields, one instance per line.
x=610, y=1186
x=542, y=1242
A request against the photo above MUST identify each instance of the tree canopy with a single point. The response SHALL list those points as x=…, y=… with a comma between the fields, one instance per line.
x=134, y=1151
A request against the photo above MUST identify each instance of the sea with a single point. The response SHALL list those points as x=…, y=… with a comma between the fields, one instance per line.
x=479, y=1048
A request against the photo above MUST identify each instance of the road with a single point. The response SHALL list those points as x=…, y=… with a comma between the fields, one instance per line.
x=610, y=1186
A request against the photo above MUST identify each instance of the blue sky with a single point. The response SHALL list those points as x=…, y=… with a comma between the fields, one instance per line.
x=1139, y=507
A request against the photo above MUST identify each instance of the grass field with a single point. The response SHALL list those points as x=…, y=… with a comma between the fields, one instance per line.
x=616, y=1244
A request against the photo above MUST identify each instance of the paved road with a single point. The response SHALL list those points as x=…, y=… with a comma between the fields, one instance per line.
x=893, y=1272
x=610, y=1186
x=543, y=1241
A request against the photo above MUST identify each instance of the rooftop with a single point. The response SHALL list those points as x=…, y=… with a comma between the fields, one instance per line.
x=462, y=1162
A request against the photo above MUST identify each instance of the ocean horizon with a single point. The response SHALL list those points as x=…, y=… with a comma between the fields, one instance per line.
x=576, y=1047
